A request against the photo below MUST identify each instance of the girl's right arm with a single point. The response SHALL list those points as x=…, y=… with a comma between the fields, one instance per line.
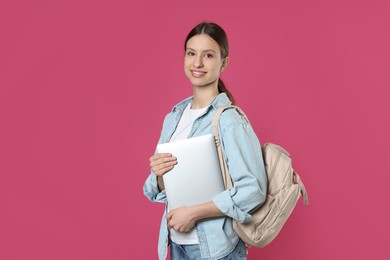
x=160, y=164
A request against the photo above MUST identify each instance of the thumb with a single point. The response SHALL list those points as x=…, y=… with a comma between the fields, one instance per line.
x=169, y=215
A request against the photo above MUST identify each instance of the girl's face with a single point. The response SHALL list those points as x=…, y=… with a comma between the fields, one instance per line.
x=202, y=61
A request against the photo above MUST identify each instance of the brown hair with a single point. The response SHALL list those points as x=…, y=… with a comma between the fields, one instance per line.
x=217, y=34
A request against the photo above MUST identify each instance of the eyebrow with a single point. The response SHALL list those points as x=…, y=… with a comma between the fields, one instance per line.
x=208, y=50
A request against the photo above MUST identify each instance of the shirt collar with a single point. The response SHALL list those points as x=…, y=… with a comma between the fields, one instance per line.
x=220, y=100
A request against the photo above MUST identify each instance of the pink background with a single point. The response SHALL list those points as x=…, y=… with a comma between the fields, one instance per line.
x=84, y=87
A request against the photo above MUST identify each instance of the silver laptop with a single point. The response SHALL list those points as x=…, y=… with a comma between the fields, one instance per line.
x=196, y=178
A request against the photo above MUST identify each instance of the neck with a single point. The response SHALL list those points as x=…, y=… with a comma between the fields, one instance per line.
x=203, y=96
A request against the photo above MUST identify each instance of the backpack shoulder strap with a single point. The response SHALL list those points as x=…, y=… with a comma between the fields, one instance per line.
x=215, y=131
x=214, y=123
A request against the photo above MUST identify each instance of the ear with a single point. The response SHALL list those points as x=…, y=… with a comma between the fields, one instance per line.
x=225, y=63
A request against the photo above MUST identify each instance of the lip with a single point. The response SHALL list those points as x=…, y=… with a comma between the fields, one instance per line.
x=198, y=73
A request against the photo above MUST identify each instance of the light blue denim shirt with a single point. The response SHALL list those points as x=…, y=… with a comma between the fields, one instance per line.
x=243, y=156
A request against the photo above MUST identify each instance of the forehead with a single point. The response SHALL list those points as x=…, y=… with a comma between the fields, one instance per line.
x=202, y=42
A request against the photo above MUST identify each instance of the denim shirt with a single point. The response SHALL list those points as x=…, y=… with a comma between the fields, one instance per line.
x=244, y=159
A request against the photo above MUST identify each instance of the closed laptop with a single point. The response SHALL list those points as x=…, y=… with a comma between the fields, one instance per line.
x=196, y=178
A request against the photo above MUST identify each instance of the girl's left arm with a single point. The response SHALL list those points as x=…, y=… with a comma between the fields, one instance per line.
x=243, y=155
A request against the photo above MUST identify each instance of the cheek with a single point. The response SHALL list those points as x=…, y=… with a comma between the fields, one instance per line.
x=186, y=70
x=216, y=67
x=188, y=60
x=186, y=65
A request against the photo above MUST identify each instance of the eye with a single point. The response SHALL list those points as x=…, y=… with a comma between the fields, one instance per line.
x=190, y=53
x=209, y=55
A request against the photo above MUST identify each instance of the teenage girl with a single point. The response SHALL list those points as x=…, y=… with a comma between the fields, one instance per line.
x=205, y=231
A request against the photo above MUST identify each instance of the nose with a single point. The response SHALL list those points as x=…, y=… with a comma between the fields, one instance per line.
x=198, y=63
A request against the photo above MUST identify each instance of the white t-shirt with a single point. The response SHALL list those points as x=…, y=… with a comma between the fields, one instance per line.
x=182, y=131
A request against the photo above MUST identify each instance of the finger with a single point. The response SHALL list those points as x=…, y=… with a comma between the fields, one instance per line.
x=154, y=162
x=173, y=226
x=182, y=230
x=166, y=165
x=157, y=165
x=160, y=155
x=160, y=165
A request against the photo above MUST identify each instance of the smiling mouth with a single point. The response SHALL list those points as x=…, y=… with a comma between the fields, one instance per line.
x=198, y=74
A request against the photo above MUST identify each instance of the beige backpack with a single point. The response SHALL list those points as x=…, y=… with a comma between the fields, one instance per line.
x=284, y=189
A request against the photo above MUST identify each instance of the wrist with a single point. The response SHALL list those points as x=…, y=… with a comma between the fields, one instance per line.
x=196, y=213
x=160, y=183
x=205, y=210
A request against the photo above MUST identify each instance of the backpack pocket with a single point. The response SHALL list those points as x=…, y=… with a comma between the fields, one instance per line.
x=279, y=213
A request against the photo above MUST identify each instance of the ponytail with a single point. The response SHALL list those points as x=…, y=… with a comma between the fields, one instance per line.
x=222, y=89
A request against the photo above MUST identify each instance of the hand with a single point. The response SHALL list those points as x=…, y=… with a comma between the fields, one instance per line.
x=161, y=163
x=181, y=219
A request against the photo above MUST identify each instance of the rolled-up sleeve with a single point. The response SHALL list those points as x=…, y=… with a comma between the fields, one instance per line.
x=244, y=159
x=151, y=190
